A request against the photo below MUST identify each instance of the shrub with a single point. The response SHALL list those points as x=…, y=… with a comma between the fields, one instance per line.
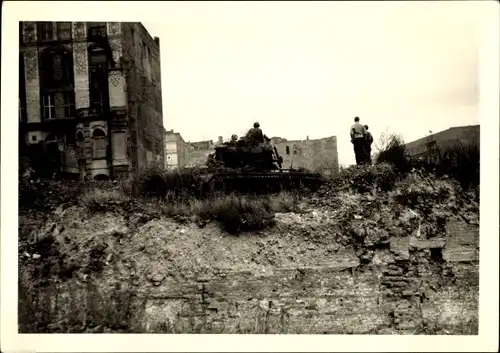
x=461, y=161
x=394, y=152
x=173, y=184
x=235, y=213
x=362, y=179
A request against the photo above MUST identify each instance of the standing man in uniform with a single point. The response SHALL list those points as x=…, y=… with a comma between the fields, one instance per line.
x=358, y=134
x=368, y=145
x=255, y=135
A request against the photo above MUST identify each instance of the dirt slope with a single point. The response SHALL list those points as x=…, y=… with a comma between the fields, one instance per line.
x=348, y=261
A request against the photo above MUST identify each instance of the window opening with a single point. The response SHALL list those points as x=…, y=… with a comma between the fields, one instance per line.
x=64, y=30
x=100, y=143
x=45, y=30
x=56, y=71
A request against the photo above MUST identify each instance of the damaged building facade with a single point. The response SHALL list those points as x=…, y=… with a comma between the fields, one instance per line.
x=90, y=99
x=320, y=155
x=176, y=151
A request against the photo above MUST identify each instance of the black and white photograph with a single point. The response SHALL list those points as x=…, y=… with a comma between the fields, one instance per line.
x=250, y=168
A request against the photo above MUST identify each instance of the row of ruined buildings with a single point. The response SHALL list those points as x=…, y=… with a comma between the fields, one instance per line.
x=318, y=154
x=90, y=106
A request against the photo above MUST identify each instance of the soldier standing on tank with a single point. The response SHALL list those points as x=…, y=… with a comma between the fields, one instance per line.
x=358, y=134
x=368, y=145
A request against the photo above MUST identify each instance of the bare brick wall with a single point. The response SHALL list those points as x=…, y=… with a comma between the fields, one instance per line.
x=411, y=285
x=298, y=277
x=318, y=154
x=144, y=96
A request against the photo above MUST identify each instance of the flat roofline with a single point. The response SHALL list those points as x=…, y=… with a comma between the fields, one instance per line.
x=318, y=139
x=439, y=132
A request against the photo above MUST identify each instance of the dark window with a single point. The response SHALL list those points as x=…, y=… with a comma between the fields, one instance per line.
x=45, y=30
x=98, y=81
x=100, y=143
x=96, y=29
x=96, y=92
x=57, y=84
x=287, y=149
x=22, y=90
x=80, y=144
x=33, y=138
x=64, y=30
x=294, y=151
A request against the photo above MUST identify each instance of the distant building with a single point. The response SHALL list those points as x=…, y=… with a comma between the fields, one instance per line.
x=90, y=98
x=276, y=140
x=442, y=140
x=316, y=155
x=202, y=145
x=176, y=151
x=199, y=151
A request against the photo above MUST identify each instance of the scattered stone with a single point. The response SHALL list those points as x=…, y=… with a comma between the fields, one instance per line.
x=426, y=244
x=400, y=248
x=366, y=256
x=36, y=256
x=157, y=279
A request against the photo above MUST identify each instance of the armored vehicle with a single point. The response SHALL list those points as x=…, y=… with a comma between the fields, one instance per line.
x=242, y=166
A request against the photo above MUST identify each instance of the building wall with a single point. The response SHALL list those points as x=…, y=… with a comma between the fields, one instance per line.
x=444, y=139
x=315, y=155
x=141, y=63
x=409, y=284
x=176, y=151
x=134, y=127
x=202, y=145
x=198, y=158
x=198, y=153
x=171, y=160
x=80, y=62
x=183, y=153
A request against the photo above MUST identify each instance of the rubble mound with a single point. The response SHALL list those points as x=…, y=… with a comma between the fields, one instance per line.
x=368, y=235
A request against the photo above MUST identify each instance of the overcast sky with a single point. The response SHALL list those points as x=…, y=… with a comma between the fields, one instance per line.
x=307, y=69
